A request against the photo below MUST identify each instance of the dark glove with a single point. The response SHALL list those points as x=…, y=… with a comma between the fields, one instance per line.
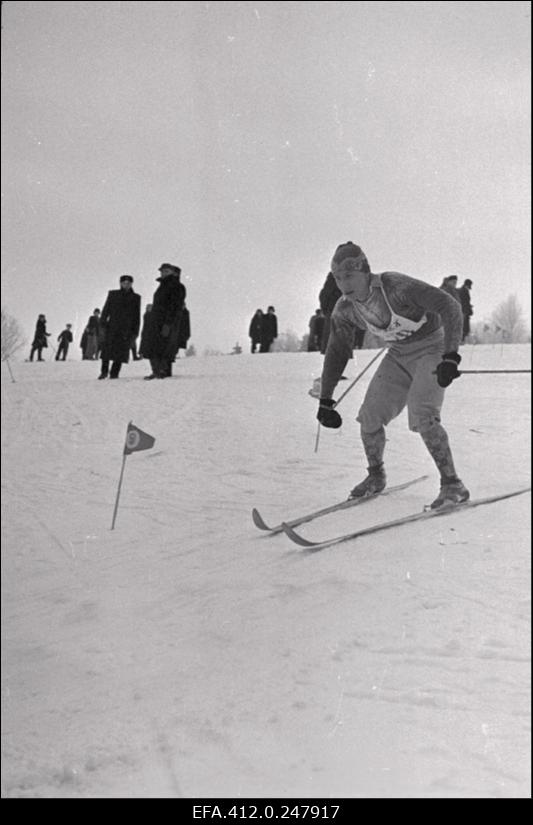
x=447, y=369
x=165, y=330
x=327, y=416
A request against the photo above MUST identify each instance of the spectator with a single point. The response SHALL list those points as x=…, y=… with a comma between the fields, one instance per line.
x=39, y=339
x=64, y=338
x=91, y=339
x=145, y=332
x=184, y=330
x=328, y=297
x=269, y=329
x=121, y=318
x=466, y=304
x=316, y=329
x=449, y=285
x=254, y=330
x=163, y=339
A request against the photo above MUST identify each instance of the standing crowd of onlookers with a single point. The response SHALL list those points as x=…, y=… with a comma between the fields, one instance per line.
x=110, y=334
x=263, y=329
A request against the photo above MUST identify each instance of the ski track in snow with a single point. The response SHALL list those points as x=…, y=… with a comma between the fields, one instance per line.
x=185, y=654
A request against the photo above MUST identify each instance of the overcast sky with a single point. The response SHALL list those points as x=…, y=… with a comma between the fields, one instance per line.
x=243, y=141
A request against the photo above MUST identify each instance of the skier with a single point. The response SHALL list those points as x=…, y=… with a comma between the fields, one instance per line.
x=423, y=326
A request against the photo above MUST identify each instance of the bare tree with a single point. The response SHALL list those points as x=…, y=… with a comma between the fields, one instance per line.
x=508, y=320
x=12, y=336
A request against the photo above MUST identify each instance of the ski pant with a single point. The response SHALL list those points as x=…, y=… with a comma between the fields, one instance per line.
x=405, y=377
x=62, y=350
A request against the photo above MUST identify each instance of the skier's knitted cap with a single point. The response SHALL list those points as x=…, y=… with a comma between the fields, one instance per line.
x=349, y=257
x=126, y=278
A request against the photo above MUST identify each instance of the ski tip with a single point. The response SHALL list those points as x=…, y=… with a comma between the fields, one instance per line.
x=258, y=521
x=296, y=537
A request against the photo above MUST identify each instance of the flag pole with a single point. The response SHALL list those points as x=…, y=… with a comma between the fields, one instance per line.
x=118, y=491
x=119, y=486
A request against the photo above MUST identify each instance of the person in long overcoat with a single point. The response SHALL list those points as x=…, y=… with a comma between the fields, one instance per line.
x=120, y=322
x=39, y=339
x=316, y=328
x=254, y=330
x=184, y=330
x=90, y=340
x=269, y=329
x=179, y=340
x=163, y=333
x=144, y=346
x=466, y=304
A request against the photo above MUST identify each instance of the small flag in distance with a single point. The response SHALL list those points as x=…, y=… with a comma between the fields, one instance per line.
x=136, y=440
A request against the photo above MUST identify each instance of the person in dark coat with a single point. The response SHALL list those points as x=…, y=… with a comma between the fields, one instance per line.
x=163, y=334
x=466, y=304
x=184, y=330
x=180, y=340
x=39, y=339
x=120, y=322
x=254, y=330
x=449, y=285
x=145, y=333
x=269, y=329
x=64, y=338
x=327, y=298
x=90, y=340
x=316, y=329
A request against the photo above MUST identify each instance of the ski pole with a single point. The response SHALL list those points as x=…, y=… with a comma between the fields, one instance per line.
x=345, y=393
x=10, y=372
x=354, y=382
x=492, y=372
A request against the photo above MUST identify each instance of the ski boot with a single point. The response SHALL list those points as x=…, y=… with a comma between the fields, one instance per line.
x=452, y=491
x=374, y=483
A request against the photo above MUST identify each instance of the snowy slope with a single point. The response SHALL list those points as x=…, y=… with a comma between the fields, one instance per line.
x=185, y=654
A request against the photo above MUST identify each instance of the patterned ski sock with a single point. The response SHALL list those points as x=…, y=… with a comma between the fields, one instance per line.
x=436, y=440
x=374, y=444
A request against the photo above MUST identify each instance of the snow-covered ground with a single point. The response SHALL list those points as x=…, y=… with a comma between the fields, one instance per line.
x=185, y=654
